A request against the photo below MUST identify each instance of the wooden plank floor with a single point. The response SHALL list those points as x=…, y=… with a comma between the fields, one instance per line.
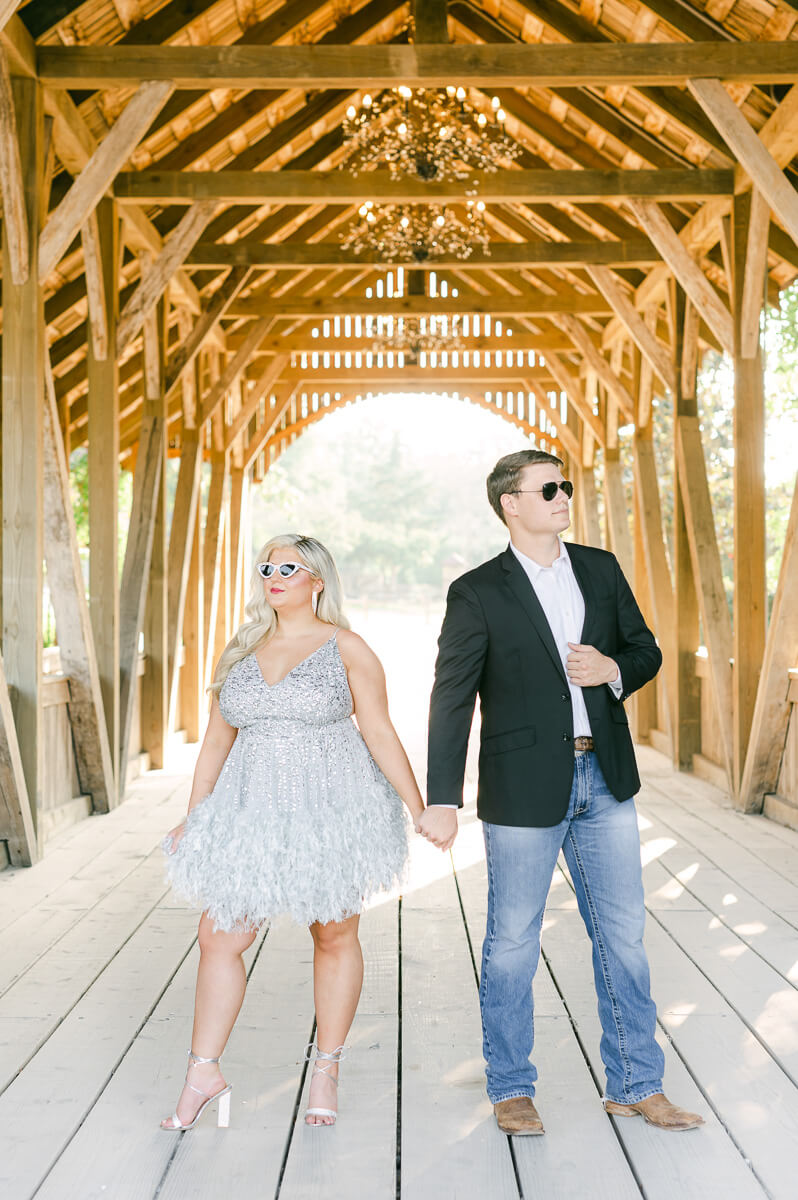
x=97, y=965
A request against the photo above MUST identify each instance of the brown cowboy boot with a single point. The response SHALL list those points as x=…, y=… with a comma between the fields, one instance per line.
x=656, y=1110
x=518, y=1117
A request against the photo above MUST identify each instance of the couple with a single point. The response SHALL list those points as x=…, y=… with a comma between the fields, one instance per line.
x=295, y=810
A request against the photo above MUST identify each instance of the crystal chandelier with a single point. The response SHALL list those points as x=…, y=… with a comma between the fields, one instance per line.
x=417, y=232
x=413, y=336
x=430, y=134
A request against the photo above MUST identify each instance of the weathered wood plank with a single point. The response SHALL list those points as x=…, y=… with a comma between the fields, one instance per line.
x=93, y=755
x=203, y=67
x=11, y=182
x=17, y=828
x=103, y=461
x=136, y=570
x=758, y=162
x=99, y=172
x=156, y=280
x=22, y=473
x=686, y=270
x=534, y=253
x=772, y=708
x=498, y=187
x=189, y=348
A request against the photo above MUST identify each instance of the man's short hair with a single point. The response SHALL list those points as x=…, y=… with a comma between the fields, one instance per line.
x=506, y=475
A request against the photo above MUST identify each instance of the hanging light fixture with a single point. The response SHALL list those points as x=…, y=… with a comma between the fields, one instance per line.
x=413, y=336
x=429, y=134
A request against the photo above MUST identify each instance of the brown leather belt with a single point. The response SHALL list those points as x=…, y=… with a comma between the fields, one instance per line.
x=583, y=743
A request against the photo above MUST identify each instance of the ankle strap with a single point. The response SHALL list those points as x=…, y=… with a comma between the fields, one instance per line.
x=197, y=1061
x=333, y=1056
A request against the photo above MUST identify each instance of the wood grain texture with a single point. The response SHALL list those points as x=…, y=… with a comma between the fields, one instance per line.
x=93, y=753
x=203, y=67
x=15, y=212
x=498, y=187
x=100, y=171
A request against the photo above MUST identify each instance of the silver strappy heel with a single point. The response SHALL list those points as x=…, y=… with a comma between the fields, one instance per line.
x=333, y=1056
x=223, y=1097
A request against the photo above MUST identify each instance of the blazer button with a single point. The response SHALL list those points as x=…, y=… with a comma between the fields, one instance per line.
x=566, y=737
x=564, y=696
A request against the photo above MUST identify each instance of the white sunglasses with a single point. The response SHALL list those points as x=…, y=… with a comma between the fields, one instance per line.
x=286, y=570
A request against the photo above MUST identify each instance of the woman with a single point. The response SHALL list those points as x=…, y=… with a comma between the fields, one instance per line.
x=292, y=810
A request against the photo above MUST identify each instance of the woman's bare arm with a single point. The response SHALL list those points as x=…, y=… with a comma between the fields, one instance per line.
x=367, y=684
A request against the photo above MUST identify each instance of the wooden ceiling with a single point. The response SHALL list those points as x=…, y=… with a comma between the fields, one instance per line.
x=613, y=139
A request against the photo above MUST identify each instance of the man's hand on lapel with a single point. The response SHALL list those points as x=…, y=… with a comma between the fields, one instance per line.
x=438, y=824
x=588, y=667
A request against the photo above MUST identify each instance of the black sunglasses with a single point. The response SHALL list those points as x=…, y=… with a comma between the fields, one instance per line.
x=549, y=490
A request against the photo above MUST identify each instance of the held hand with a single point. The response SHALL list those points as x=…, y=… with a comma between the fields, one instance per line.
x=172, y=839
x=588, y=667
x=438, y=825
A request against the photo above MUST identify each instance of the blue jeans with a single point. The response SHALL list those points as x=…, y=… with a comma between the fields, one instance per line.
x=601, y=843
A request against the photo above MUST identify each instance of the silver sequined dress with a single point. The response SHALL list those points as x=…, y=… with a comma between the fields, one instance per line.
x=301, y=820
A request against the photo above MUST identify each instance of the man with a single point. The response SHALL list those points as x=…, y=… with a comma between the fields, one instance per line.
x=551, y=639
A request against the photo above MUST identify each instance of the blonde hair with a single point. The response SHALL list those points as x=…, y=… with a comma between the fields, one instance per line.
x=261, y=622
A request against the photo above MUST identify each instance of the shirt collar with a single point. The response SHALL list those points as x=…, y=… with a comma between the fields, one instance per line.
x=533, y=568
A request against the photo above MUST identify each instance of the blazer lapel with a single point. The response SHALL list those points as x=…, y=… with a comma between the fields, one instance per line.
x=522, y=589
x=586, y=588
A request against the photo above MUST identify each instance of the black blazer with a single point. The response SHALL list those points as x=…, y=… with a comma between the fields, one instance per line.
x=496, y=643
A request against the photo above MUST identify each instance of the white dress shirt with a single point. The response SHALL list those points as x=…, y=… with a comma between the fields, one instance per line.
x=564, y=608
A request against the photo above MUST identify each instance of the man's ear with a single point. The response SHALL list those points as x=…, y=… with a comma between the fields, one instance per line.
x=509, y=503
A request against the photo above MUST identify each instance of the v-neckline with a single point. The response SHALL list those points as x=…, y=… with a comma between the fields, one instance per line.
x=295, y=667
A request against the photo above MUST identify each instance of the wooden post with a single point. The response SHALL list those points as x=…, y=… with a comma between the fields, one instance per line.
x=103, y=451
x=192, y=673
x=211, y=565
x=750, y=589
x=686, y=730
x=154, y=689
x=238, y=516
x=22, y=481
x=181, y=542
x=16, y=820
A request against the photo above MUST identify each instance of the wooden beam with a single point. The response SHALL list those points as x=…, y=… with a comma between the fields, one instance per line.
x=181, y=542
x=93, y=758
x=154, y=708
x=15, y=214
x=687, y=271
x=95, y=287
x=569, y=384
x=707, y=571
x=22, y=463
x=531, y=304
x=519, y=66
x=645, y=340
x=750, y=579
x=191, y=684
x=772, y=709
x=430, y=22
x=596, y=360
x=755, y=280
x=7, y=10
x=99, y=172
x=267, y=429
x=17, y=827
x=344, y=187
x=191, y=345
x=760, y=165
x=103, y=462
x=234, y=368
x=154, y=283
x=75, y=145
x=212, y=556
x=136, y=571
x=253, y=398
x=638, y=252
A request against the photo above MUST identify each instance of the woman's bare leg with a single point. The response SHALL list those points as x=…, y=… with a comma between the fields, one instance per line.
x=221, y=983
x=337, y=980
